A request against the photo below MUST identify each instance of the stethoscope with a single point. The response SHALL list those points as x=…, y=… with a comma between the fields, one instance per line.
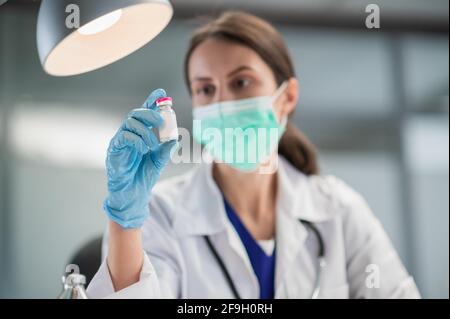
x=319, y=269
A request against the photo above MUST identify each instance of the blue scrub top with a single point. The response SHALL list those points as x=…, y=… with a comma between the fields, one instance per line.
x=263, y=265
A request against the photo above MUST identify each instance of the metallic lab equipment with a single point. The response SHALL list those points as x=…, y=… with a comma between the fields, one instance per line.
x=73, y=287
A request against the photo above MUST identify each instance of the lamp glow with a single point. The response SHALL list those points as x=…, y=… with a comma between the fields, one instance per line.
x=101, y=24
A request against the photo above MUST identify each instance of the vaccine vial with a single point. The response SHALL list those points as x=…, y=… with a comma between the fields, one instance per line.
x=168, y=131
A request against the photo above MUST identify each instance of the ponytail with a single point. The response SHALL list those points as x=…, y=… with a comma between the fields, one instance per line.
x=298, y=150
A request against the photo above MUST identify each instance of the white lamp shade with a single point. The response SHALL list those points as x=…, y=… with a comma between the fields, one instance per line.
x=109, y=30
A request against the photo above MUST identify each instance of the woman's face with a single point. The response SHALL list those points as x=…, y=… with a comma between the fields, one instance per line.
x=223, y=71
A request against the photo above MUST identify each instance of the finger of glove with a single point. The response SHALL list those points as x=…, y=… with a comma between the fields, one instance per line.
x=143, y=131
x=166, y=150
x=129, y=139
x=150, y=103
x=150, y=118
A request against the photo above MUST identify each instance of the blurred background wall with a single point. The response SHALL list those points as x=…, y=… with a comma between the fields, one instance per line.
x=374, y=102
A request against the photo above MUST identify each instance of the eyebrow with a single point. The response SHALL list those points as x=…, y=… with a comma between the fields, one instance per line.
x=237, y=70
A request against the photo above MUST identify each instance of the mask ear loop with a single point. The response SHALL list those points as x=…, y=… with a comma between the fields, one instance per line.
x=283, y=121
x=276, y=95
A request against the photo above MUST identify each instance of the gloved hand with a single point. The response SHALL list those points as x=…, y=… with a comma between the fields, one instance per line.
x=134, y=163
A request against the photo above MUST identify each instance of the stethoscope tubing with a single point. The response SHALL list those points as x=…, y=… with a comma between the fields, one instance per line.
x=321, y=263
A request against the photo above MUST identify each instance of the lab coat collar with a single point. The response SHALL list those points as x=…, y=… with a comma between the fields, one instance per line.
x=201, y=210
x=298, y=194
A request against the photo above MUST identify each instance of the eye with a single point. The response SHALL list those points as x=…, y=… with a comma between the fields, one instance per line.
x=206, y=90
x=242, y=83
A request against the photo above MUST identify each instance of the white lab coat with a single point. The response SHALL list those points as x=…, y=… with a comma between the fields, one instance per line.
x=178, y=263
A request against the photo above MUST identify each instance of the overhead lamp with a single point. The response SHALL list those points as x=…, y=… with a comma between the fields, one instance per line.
x=108, y=30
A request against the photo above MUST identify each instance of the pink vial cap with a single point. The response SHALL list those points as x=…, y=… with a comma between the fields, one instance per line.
x=163, y=99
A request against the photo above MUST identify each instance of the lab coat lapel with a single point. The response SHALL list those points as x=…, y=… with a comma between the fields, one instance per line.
x=295, y=269
x=291, y=268
x=203, y=213
x=200, y=207
x=237, y=262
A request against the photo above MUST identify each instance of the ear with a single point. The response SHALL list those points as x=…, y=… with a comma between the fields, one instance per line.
x=290, y=97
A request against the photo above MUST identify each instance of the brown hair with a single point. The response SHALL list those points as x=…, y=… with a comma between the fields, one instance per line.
x=267, y=42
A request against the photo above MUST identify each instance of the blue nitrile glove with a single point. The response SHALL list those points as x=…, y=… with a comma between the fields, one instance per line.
x=134, y=163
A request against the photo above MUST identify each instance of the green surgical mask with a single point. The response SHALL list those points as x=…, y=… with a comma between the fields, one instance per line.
x=241, y=133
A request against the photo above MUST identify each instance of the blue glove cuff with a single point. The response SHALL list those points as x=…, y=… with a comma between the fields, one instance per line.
x=132, y=223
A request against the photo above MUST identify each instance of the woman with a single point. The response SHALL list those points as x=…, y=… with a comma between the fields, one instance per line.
x=227, y=230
